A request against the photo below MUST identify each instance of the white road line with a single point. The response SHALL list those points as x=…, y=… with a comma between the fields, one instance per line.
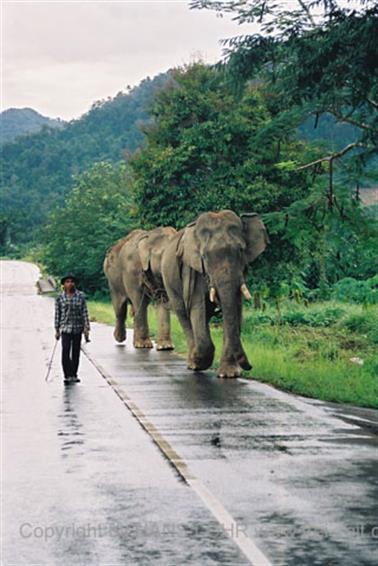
x=226, y=520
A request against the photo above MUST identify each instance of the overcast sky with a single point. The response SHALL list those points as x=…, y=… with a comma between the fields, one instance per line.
x=60, y=56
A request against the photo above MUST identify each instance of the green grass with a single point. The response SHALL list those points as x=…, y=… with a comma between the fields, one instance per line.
x=305, y=350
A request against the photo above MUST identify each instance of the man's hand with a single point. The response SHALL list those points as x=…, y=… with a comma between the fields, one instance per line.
x=57, y=334
x=86, y=335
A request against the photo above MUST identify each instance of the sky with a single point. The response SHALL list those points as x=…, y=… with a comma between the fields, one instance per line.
x=58, y=57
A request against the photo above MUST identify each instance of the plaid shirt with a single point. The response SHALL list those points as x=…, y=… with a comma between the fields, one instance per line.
x=71, y=313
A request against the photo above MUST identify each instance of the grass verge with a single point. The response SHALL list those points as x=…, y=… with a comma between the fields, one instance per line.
x=304, y=350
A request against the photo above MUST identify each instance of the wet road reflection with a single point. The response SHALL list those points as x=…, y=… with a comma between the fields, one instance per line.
x=299, y=475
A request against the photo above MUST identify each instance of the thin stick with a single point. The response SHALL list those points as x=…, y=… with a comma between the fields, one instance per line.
x=51, y=361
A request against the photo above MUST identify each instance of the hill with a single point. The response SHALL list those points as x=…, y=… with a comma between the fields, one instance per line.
x=16, y=122
x=37, y=169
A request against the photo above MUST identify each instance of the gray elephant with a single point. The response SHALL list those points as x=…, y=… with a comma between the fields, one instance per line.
x=133, y=270
x=204, y=264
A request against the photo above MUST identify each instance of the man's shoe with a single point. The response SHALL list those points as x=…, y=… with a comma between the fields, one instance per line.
x=75, y=379
x=67, y=380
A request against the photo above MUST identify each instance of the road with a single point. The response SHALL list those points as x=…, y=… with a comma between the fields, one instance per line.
x=144, y=462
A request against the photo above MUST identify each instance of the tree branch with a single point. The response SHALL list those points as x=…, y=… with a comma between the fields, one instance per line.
x=306, y=9
x=349, y=120
x=332, y=156
x=372, y=102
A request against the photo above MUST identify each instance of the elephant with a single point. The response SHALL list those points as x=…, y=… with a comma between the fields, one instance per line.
x=133, y=270
x=206, y=264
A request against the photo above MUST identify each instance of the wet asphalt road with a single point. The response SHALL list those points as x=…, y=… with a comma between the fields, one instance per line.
x=84, y=483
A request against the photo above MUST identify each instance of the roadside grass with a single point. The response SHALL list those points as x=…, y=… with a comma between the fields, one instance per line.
x=304, y=350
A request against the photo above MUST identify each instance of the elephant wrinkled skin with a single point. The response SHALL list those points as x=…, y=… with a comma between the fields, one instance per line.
x=133, y=270
x=207, y=262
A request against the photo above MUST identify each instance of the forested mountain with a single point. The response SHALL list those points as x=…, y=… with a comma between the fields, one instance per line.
x=37, y=170
x=17, y=122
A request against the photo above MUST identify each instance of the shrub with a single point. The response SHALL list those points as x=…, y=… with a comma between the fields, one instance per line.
x=351, y=290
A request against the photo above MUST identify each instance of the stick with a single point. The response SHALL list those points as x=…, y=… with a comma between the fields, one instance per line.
x=51, y=361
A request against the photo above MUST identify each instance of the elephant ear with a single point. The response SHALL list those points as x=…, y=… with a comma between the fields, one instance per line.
x=188, y=249
x=255, y=234
x=144, y=250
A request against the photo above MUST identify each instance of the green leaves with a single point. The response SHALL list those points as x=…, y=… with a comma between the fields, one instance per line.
x=212, y=148
x=95, y=214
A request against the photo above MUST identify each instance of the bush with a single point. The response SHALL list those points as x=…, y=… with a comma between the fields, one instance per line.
x=295, y=315
x=351, y=290
x=363, y=323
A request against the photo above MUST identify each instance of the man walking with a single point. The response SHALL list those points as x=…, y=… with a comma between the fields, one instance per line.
x=71, y=321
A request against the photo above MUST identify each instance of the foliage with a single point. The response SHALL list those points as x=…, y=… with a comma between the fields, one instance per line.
x=320, y=55
x=95, y=214
x=350, y=290
x=210, y=149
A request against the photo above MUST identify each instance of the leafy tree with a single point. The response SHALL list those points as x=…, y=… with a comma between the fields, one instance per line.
x=210, y=149
x=95, y=214
x=319, y=55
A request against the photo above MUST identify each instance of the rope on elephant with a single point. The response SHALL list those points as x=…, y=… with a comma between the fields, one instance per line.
x=157, y=294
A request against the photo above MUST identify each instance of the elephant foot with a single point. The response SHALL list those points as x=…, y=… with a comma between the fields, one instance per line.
x=119, y=334
x=143, y=343
x=164, y=345
x=197, y=364
x=191, y=364
x=229, y=370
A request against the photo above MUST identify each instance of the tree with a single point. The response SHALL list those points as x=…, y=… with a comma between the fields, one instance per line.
x=95, y=214
x=318, y=55
x=211, y=149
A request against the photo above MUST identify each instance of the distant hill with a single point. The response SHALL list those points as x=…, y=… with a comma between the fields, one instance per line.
x=37, y=170
x=17, y=122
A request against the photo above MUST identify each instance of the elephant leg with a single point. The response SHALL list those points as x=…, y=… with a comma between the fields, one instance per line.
x=164, y=341
x=229, y=366
x=140, y=303
x=188, y=330
x=233, y=357
x=186, y=325
x=203, y=352
x=119, y=302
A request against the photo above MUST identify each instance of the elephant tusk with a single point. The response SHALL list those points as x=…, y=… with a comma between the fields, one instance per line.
x=213, y=295
x=244, y=289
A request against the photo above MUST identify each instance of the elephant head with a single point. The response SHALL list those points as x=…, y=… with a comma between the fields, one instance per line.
x=221, y=246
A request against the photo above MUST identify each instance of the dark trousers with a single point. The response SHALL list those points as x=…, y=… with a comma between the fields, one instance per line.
x=70, y=353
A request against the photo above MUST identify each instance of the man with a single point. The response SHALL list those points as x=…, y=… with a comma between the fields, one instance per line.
x=71, y=321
